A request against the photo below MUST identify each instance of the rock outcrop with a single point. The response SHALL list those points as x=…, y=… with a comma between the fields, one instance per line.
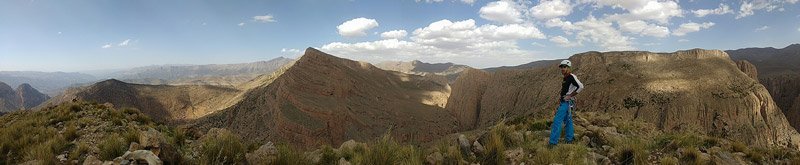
x=748, y=68
x=779, y=72
x=693, y=89
x=323, y=99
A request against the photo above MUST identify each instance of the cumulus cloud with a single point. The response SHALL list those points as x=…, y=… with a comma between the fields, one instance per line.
x=748, y=8
x=548, y=9
x=691, y=27
x=264, y=18
x=660, y=11
x=502, y=11
x=447, y=41
x=106, y=46
x=241, y=24
x=722, y=9
x=563, y=42
x=601, y=32
x=356, y=27
x=396, y=34
x=762, y=28
x=644, y=29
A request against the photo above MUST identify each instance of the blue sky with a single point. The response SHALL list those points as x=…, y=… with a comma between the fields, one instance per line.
x=58, y=35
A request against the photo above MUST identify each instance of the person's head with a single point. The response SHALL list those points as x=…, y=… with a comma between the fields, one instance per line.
x=565, y=66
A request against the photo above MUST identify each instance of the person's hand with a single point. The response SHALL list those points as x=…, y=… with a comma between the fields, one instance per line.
x=567, y=98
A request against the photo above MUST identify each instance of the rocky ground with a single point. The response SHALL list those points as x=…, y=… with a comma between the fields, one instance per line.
x=90, y=133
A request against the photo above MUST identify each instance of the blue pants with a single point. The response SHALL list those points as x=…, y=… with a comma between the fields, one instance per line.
x=563, y=115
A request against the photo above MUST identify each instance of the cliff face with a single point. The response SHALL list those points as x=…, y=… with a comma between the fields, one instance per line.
x=694, y=89
x=323, y=99
x=748, y=68
x=779, y=71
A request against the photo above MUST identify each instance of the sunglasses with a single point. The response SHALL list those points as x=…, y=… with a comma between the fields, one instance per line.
x=562, y=66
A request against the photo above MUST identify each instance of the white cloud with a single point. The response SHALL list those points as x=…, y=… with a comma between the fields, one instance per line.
x=285, y=50
x=643, y=28
x=396, y=34
x=657, y=10
x=124, y=43
x=563, y=42
x=722, y=9
x=449, y=34
x=356, y=27
x=602, y=33
x=241, y=24
x=749, y=8
x=691, y=27
x=502, y=11
x=470, y=2
x=547, y=9
x=683, y=40
x=447, y=41
x=264, y=18
x=762, y=28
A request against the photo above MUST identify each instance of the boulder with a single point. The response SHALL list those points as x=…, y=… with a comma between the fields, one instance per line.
x=266, y=154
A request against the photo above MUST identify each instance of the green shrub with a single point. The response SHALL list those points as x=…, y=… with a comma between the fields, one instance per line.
x=223, y=148
x=388, y=151
x=290, y=156
x=669, y=160
x=737, y=146
x=80, y=150
x=692, y=155
x=71, y=132
x=112, y=146
x=494, y=148
x=632, y=151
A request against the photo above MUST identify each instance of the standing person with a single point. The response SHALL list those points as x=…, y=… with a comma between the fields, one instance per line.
x=570, y=87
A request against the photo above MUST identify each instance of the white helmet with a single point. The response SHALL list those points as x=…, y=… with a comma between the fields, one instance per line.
x=566, y=62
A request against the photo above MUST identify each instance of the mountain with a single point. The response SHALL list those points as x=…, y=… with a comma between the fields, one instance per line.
x=212, y=74
x=322, y=99
x=530, y=65
x=449, y=70
x=165, y=103
x=695, y=89
x=8, y=98
x=779, y=71
x=51, y=83
x=24, y=97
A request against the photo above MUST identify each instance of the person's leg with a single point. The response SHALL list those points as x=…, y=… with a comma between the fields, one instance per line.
x=555, y=128
x=568, y=126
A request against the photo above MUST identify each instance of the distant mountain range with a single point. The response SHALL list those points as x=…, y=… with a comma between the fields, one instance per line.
x=53, y=83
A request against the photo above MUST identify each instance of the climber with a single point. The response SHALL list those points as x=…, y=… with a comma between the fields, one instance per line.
x=570, y=87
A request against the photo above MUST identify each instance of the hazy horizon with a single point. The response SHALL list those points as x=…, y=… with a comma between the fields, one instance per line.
x=69, y=36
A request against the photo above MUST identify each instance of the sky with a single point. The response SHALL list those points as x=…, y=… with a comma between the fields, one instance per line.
x=65, y=35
